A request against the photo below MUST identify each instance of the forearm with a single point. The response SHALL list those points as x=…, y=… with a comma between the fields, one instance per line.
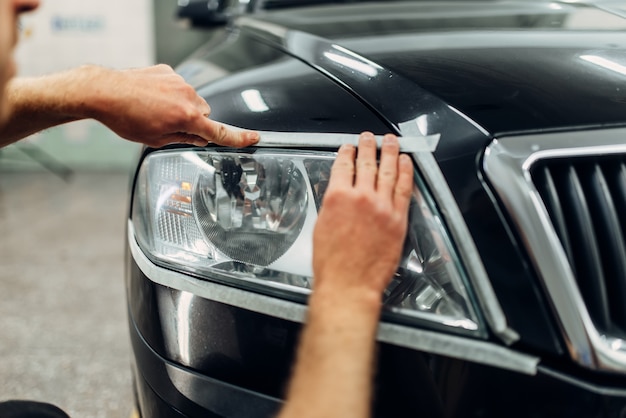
x=39, y=103
x=333, y=374
x=153, y=106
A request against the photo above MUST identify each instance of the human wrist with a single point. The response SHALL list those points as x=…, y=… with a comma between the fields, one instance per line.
x=330, y=299
x=358, y=286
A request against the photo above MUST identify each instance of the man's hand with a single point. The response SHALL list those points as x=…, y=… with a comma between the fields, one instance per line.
x=356, y=248
x=362, y=223
x=155, y=106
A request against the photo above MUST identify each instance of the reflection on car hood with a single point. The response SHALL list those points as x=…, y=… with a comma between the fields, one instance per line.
x=510, y=66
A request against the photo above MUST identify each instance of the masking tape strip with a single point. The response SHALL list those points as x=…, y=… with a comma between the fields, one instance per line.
x=408, y=144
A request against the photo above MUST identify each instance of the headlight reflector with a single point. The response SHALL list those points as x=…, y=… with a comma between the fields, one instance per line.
x=252, y=207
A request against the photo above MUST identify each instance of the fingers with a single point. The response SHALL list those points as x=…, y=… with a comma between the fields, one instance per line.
x=161, y=69
x=366, y=167
x=404, y=184
x=207, y=130
x=183, y=138
x=392, y=178
x=395, y=175
x=342, y=171
x=388, y=169
x=218, y=134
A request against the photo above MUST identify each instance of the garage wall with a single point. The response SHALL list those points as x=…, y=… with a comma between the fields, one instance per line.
x=67, y=33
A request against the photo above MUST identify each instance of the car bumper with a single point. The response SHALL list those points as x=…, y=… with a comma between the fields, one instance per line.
x=195, y=357
x=165, y=389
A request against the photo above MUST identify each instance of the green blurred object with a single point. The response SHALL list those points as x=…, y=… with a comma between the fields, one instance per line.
x=81, y=146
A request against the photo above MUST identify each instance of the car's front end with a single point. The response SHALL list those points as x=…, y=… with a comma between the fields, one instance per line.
x=509, y=300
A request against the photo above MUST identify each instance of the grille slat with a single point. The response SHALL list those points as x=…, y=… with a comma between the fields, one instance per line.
x=611, y=244
x=586, y=200
x=587, y=259
x=558, y=217
x=617, y=184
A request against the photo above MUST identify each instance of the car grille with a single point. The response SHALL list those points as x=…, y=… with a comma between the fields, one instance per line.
x=565, y=195
x=585, y=198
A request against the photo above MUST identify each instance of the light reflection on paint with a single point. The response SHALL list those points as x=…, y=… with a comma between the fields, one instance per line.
x=605, y=63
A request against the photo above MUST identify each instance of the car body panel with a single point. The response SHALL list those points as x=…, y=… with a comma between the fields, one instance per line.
x=460, y=145
x=472, y=72
x=502, y=67
x=236, y=348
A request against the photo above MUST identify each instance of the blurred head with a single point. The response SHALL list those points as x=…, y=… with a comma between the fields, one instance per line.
x=9, y=12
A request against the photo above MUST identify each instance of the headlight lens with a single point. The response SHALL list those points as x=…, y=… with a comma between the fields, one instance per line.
x=247, y=217
x=252, y=208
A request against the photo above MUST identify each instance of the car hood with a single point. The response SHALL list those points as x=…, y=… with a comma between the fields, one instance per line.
x=509, y=66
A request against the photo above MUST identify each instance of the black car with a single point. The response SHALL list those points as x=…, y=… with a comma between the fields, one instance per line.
x=510, y=300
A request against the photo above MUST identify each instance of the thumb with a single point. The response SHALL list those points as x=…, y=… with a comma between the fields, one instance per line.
x=218, y=134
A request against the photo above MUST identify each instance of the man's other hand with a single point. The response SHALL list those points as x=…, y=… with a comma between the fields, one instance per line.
x=155, y=106
x=363, y=220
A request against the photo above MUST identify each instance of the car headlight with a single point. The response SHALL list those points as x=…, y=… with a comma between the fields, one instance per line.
x=246, y=217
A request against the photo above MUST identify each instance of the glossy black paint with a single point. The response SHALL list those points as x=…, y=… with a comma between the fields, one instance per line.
x=509, y=67
x=510, y=274
x=394, y=99
x=475, y=71
x=253, y=352
x=225, y=343
x=525, y=87
x=299, y=98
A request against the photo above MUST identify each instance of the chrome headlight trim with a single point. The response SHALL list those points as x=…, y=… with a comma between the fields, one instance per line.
x=507, y=164
x=491, y=309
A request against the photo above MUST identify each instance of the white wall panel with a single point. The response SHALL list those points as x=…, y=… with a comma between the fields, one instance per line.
x=66, y=33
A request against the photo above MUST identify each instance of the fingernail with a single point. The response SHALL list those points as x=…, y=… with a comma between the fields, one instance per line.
x=346, y=147
x=389, y=139
x=251, y=136
x=405, y=159
x=367, y=136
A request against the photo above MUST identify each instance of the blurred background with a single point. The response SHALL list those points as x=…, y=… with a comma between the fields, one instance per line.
x=63, y=34
x=63, y=329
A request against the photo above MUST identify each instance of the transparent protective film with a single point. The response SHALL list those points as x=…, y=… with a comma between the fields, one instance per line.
x=249, y=215
x=429, y=283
